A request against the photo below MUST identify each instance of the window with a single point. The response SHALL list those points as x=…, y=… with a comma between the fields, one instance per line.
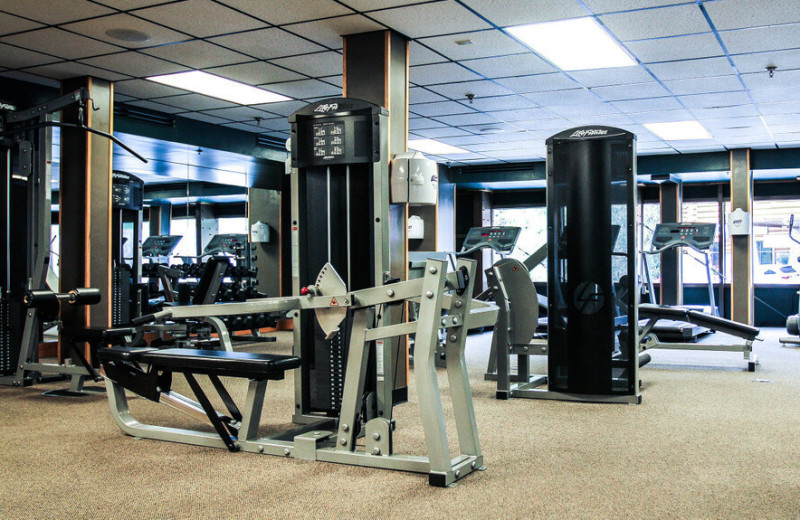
x=533, y=222
x=230, y=225
x=650, y=216
x=693, y=263
x=186, y=227
x=775, y=254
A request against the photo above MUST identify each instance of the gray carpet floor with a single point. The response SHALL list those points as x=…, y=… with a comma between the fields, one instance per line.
x=710, y=440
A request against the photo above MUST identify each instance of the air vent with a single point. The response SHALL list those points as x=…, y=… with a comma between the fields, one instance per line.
x=271, y=142
x=151, y=116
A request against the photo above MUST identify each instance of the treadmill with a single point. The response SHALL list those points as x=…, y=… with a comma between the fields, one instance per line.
x=699, y=237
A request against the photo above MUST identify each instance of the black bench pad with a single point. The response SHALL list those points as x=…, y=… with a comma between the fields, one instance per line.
x=731, y=327
x=97, y=334
x=210, y=362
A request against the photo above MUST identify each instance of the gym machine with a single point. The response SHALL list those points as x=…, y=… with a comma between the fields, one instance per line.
x=340, y=200
x=26, y=302
x=127, y=202
x=445, y=303
x=684, y=322
x=793, y=321
x=591, y=197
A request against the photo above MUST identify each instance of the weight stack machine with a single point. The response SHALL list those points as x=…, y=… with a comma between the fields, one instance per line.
x=340, y=214
x=127, y=202
x=591, y=189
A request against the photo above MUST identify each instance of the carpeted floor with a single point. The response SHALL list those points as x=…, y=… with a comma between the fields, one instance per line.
x=710, y=440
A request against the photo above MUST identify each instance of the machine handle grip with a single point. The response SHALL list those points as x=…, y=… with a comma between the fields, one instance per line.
x=143, y=320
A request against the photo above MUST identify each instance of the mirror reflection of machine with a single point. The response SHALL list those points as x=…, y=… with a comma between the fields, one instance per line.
x=127, y=202
x=793, y=321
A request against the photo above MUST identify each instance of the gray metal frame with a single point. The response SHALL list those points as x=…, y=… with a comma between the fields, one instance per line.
x=441, y=307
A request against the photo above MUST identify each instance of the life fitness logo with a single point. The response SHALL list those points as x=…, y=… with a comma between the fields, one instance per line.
x=327, y=107
x=588, y=298
x=592, y=132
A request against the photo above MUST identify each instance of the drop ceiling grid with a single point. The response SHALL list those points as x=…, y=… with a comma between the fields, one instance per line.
x=684, y=68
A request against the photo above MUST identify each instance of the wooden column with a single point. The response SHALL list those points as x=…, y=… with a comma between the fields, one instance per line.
x=742, y=245
x=671, y=198
x=85, y=204
x=376, y=70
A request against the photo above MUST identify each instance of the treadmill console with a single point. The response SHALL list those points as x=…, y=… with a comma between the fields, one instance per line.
x=232, y=244
x=674, y=234
x=500, y=238
x=160, y=245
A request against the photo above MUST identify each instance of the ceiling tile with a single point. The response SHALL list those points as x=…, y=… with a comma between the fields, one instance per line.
x=440, y=73
x=614, y=76
x=59, y=43
x=144, y=89
x=245, y=127
x=255, y=73
x=97, y=27
x=704, y=85
x=282, y=108
x=758, y=61
x=206, y=118
x=562, y=97
x=13, y=57
x=279, y=12
x=594, y=108
x=615, y=120
x=327, y=63
x=735, y=14
x=427, y=19
x=467, y=119
x=423, y=95
x=523, y=114
x=481, y=88
x=442, y=108
x=304, y=89
x=31, y=78
x=134, y=64
x=71, y=69
x=239, y=113
x=538, y=82
x=52, y=13
x=329, y=32
x=731, y=122
x=723, y=112
x=775, y=95
x=504, y=66
x=197, y=54
x=484, y=44
x=781, y=79
x=611, y=6
x=715, y=100
x=445, y=131
x=518, y=12
x=656, y=23
x=486, y=104
x=761, y=39
x=368, y=5
x=11, y=24
x=661, y=116
x=676, y=48
x=200, y=18
x=635, y=91
x=195, y=102
x=420, y=55
x=547, y=126
x=129, y=4
x=154, y=105
x=691, y=68
x=267, y=43
x=645, y=105
x=420, y=123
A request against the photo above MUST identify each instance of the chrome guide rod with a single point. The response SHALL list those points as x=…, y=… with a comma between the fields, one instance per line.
x=328, y=184
x=347, y=196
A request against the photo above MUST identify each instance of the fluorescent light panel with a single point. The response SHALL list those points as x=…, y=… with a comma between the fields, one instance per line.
x=679, y=130
x=218, y=87
x=575, y=44
x=434, y=147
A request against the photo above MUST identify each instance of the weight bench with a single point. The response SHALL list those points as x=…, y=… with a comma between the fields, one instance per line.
x=652, y=313
x=124, y=371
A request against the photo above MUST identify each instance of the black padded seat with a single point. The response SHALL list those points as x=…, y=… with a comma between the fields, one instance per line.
x=209, y=362
x=97, y=335
x=649, y=310
x=734, y=328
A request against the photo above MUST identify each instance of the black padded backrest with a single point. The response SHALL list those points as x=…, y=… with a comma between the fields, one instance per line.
x=207, y=287
x=649, y=310
x=516, y=286
x=734, y=328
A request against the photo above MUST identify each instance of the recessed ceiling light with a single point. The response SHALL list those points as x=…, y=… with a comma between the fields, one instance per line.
x=575, y=44
x=218, y=87
x=679, y=130
x=128, y=35
x=434, y=147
